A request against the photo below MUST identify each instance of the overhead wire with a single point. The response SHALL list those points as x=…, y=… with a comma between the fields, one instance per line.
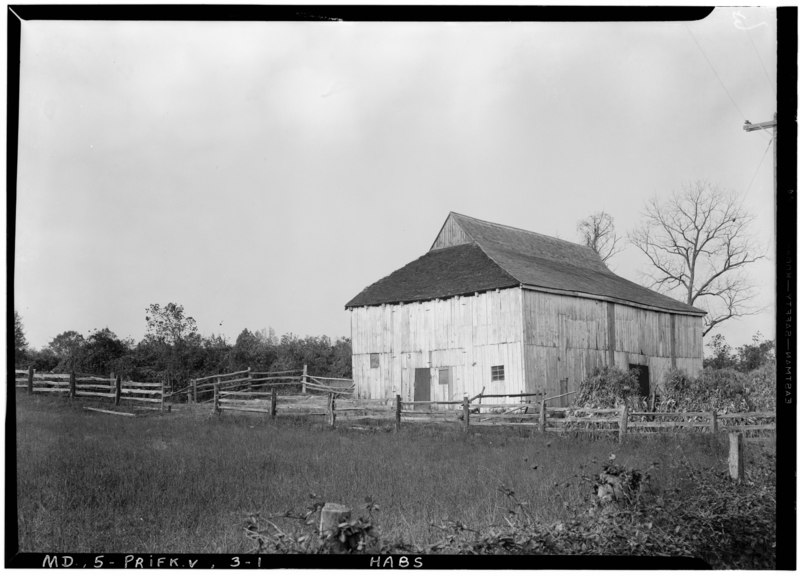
x=760, y=61
x=758, y=168
x=716, y=74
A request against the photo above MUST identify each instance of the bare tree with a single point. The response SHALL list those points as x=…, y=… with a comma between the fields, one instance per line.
x=698, y=244
x=598, y=233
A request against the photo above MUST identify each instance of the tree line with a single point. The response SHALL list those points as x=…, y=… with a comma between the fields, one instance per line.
x=173, y=349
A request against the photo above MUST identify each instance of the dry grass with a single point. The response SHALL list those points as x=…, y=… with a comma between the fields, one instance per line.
x=184, y=482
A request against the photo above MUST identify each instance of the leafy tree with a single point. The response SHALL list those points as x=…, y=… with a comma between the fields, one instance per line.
x=253, y=350
x=67, y=347
x=597, y=231
x=753, y=356
x=42, y=360
x=169, y=324
x=721, y=357
x=215, y=356
x=341, y=364
x=698, y=244
x=172, y=341
x=289, y=353
x=20, y=341
x=103, y=353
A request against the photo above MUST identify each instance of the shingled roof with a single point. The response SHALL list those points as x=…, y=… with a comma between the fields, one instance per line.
x=471, y=255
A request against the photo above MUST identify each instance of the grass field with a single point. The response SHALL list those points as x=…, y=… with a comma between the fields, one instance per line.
x=184, y=482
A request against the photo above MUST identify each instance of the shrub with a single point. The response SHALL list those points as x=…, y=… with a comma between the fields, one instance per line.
x=610, y=386
x=722, y=390
x=760, y=387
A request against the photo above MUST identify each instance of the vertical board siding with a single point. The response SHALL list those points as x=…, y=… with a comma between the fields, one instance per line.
x=565, y=338
x=450, y=235
x=468, y=334
x=540, y=338
x=568, y=337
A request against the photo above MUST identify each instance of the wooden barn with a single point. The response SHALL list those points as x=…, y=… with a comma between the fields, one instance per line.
x=512, y=311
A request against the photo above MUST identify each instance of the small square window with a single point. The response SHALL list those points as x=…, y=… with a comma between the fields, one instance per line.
x=374, y=360
x=498, y=373
x=444, y=376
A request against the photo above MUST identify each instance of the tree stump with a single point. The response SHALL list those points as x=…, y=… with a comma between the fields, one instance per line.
x=331, y=516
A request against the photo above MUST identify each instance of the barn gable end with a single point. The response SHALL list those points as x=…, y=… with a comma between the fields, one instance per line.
x=451, y=234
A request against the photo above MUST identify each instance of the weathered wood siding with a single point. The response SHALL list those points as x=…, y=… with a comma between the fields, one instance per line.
x=644, y=337
x=451, y=234
x=468, y=334
x=567, y=337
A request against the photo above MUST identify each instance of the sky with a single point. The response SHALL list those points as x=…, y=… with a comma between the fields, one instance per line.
x=263, y=174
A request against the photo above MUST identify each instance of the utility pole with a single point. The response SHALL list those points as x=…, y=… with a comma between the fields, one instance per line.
x=748, y=127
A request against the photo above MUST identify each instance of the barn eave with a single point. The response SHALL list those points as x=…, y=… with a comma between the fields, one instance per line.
x=695, y=312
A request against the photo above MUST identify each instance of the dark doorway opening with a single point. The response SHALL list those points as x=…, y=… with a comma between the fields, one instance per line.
x=422, y=387
x=644, y=378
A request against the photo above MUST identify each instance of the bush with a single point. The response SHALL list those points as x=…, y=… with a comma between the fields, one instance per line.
x=760, y=387
x=722, y=390
x=609, y=386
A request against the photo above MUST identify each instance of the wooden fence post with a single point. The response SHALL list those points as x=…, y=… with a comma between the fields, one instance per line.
x=623, y=422
x=72, y=384
x=736, y=456
x=331, y=409
x=714, y=425
x=466, y=413
x=216, y=397
x=398, y=408
x=30, y=379
x=117, y=390
x=543, y=416
x=273, y=403
x=161, y=405
x=305, y=375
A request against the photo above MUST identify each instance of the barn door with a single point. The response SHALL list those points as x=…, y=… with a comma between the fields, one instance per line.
x=644, y=378
x=422, y=386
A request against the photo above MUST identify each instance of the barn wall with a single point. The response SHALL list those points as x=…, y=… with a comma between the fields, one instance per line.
x=567, y=337
x=644, y=337
x=468, y=334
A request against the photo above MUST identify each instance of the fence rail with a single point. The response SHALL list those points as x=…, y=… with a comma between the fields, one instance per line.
x=295, y=392
x=209, y=388
x=85, y=386
x=338, y=405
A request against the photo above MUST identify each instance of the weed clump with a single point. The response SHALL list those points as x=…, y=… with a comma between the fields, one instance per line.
x=306, y=537
x=609, y=386
x=723, y=390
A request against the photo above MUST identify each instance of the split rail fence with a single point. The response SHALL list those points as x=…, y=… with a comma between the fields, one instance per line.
x=139, y=395
x=235, y=388
x=315, y=396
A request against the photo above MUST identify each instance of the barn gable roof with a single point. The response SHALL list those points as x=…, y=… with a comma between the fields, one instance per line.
x=463, y=269
x=501, y=256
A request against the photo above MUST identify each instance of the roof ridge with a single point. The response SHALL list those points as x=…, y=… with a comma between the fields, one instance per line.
x=520, y=230
x=495, y=262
